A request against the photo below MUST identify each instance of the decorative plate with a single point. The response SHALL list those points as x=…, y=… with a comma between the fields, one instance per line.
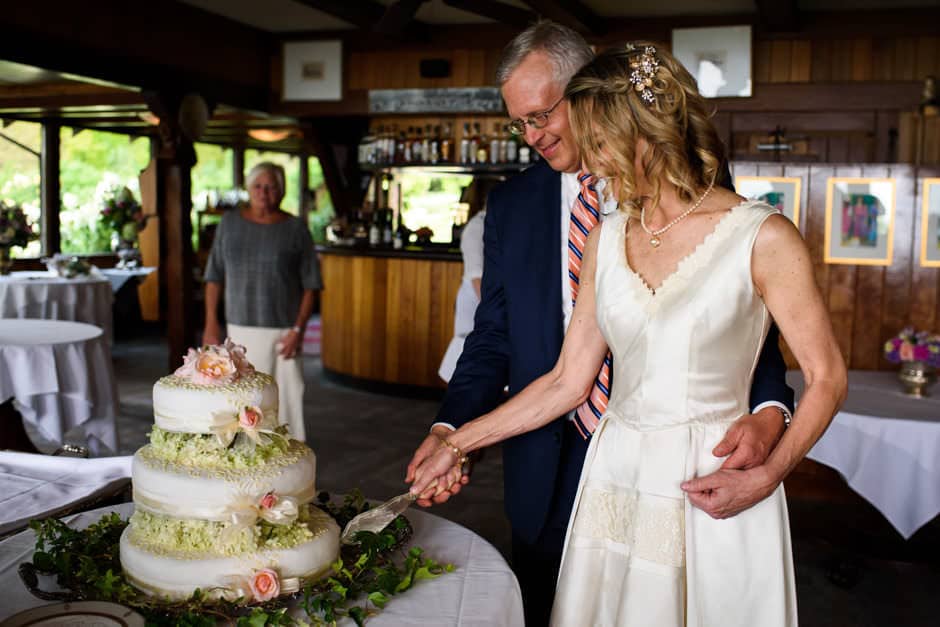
x=77, y=614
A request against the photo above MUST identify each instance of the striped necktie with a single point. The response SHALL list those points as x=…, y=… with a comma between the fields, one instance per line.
x=584, y=216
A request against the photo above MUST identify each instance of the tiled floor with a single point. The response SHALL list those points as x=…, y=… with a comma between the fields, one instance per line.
x=365, y=440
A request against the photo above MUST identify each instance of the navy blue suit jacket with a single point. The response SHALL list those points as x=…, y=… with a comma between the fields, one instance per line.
x=518, y=333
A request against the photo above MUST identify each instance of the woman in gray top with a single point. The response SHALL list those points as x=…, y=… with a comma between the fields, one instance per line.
x=266, y=261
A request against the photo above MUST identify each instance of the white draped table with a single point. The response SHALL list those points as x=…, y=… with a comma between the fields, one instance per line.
x=119, y=276
x=481, y=592
x=61, y=378
x=48, y=297
x=887, y=447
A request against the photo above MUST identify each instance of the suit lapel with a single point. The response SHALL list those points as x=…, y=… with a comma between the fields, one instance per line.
x=548, y=233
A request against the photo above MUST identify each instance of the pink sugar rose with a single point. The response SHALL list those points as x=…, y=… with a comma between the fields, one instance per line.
x=907, y=352
x=250, y=417
x=265, y=585
x=269, y=500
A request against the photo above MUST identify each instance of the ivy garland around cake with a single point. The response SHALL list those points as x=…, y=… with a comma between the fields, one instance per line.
x=361, y=581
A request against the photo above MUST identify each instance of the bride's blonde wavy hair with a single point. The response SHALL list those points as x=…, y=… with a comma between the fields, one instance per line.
x=608, y=114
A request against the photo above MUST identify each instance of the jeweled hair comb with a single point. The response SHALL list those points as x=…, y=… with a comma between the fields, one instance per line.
x=644, y=69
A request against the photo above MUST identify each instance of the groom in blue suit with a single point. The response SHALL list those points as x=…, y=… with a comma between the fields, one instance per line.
x=521, y=320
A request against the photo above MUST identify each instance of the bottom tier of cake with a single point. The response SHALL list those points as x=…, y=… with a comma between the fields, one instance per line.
x=250, y=576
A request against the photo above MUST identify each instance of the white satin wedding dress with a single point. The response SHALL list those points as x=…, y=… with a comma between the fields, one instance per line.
x=637, y=552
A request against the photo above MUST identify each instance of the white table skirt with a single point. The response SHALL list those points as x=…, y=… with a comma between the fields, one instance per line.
x=482, y=591
x=62, y=379
x=44, y=296
x=887, y=447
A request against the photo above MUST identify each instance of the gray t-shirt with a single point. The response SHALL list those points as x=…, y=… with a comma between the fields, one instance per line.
x=265, y=269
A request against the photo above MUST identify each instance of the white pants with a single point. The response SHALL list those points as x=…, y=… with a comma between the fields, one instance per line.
x=261, y=349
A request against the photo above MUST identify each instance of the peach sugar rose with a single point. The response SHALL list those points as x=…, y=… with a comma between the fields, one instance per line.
x=269, y=500
x=250, y=417
x=265, y=585
x=215, y=365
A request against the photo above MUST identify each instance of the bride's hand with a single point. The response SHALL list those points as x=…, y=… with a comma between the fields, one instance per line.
x=435, y=473
x=725, y=493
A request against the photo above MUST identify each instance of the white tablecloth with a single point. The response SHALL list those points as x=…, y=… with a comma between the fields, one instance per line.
x=41, y=485
x=119, y=276
x=481, y=592
x=887, y=447
x=62, y=379
x=42, y=295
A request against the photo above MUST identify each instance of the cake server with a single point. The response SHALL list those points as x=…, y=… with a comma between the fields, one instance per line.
x=376, y=519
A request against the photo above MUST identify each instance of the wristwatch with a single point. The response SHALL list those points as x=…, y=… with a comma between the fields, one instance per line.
x=787, y=416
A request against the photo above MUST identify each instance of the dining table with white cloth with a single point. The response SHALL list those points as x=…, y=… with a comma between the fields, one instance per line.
x=43, y=295
x=61, y=378
x=482, y=591
x=886, y=445
x=120, y=276
x=36, y=485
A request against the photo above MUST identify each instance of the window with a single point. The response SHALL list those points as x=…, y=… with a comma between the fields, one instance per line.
x=92, y=162
x=321, y=212
x=19, y=175
x=432, y=199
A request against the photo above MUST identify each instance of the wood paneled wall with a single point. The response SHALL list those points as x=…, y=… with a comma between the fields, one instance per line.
x=388, y=319
x=868, y=304
x=796, y=60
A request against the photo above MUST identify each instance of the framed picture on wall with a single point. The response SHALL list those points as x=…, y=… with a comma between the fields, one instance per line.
x=930, y=224
x=780, y=192
x=860, y=221
x=719, y=57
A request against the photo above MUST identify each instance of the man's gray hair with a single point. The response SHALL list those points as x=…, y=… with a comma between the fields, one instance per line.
x=273, y=169
x=567, y=50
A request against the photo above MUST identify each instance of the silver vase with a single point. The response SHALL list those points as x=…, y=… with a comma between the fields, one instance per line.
x=916, y=377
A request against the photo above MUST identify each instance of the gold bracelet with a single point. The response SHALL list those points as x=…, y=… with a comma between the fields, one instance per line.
x=461, y=458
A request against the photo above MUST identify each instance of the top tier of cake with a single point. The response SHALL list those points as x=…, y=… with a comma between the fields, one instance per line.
x=185, y=407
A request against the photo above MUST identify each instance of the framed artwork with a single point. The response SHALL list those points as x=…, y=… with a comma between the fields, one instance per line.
x=719, y=57
x=860, y=221
x=780, y=192
x=313, y=70
x=930, y=224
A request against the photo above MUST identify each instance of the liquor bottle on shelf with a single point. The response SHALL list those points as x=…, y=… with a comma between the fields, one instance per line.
x=465, y=144
x=434, y=149
x=400, y=145
x=475, y=143
x=386, y=227
x=375, y=232
x=417, y=141
x=426, y=144
x=497, y=154
x=447, y=144
x=367, y=148
x=512, y=148
x=483, y=146
x=525, y=153
x=400, y=236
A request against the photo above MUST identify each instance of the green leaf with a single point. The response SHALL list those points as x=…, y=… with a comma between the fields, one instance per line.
x=379, y=599
x=358, y=614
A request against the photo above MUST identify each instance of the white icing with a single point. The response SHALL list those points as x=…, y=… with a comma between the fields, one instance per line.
x=185, y=492
x=177, y=576
x=185, y=407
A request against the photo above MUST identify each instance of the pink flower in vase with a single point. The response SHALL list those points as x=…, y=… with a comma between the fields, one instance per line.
x=265, y=585
x=921, y=352
x=907, y=352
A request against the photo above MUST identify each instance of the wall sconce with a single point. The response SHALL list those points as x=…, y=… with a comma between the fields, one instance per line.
x=270, y=134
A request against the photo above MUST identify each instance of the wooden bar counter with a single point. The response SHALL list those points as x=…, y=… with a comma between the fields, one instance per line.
x=388, y=315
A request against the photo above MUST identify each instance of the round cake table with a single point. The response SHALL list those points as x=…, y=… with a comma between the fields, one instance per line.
x=61, y=378
x=482, y=590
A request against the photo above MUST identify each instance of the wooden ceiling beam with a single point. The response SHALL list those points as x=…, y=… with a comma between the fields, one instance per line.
x=372, y=16
x=497, y=11
x=572, y=13
x=778, y=15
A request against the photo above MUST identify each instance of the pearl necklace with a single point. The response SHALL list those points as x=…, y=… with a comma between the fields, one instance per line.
x=654, y=235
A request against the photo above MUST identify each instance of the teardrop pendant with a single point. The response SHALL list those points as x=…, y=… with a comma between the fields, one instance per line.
x=655, y=242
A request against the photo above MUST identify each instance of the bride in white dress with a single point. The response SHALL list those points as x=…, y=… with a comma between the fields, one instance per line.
x=681, y=285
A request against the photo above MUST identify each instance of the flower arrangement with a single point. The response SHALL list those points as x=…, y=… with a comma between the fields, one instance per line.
x=15, y=230
x=911, y=345
x=121, y=213
x=215, y=365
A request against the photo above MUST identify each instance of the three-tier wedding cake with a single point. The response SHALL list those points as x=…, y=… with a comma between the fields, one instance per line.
x=222, y=495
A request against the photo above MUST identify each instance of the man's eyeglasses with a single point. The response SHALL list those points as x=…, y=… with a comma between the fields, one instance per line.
x=537, y=120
